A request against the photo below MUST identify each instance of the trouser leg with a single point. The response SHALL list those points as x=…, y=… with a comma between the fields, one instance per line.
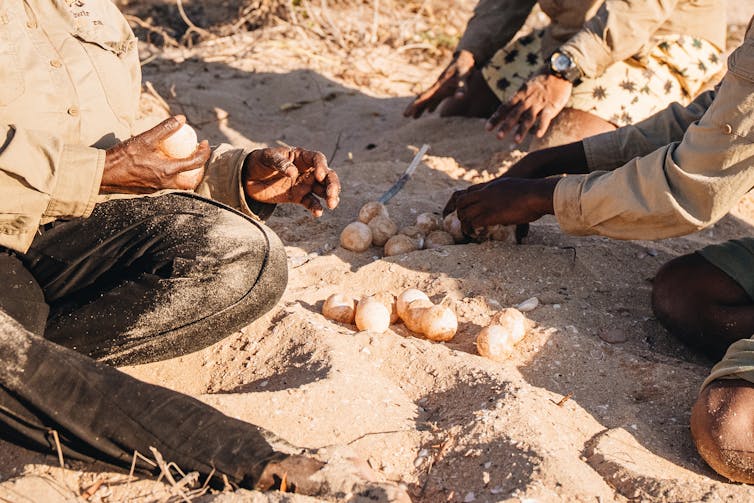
x=101, y=413
x=152, y=278
x=138, y=281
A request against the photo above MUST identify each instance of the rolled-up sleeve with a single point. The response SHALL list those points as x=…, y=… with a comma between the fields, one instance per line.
x=41, y=179
x=681, y=187
x=493, y=25
x=611, y=150
x=223, y=182
x=619, y=30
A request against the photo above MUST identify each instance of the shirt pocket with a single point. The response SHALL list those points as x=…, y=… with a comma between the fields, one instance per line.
x=109, y=51
x=12, y=84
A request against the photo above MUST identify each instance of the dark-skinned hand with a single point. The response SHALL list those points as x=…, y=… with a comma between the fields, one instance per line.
x=504, y=201
x=139, y=166
x=539, y=100
x=291, y=175
x=294, y=472
x=452, y=82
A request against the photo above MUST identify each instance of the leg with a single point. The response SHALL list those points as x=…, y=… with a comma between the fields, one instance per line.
x=480, y=101
x=722, y=425
x=702, y=305
x=153, y=278
x=101, y=413
x=569, y=126
x=21, y=297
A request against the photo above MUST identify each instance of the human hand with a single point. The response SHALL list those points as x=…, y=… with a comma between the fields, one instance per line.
x=334, y=479
x=139, y=166
x=540, y=99
x=504, y=201
x=293, y=474
x=452, y=82
x=291, y=175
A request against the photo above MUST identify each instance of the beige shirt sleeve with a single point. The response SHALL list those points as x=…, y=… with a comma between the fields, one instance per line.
x=681, y=187
x=42, y=178
x=493, y=25
x=619, y=30
x=607, y=151
x=223, y=182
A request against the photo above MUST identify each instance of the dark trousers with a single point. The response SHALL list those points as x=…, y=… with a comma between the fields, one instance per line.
x=140, y=280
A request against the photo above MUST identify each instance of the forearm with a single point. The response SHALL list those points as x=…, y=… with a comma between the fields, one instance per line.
x=678, y=189
x=618, y=30
x=43, y=178
x=563, y=159
x=493, y=24
x=607, y=151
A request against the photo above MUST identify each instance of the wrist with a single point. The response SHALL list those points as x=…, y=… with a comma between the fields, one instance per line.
x=545, y=195
x=563, y=66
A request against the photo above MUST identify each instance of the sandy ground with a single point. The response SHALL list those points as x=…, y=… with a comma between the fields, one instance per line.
x=448, y=424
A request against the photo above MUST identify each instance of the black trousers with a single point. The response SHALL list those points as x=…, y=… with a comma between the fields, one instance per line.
x=139, y=280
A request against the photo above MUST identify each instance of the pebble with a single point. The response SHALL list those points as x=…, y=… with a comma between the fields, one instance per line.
x=469, y=497
x=613, y=336
x=528, y=305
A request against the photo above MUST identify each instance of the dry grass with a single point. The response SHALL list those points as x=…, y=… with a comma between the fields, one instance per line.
x=428, y=26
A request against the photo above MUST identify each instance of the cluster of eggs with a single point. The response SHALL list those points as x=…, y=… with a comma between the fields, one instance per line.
x=375, y=313
x=374, y=227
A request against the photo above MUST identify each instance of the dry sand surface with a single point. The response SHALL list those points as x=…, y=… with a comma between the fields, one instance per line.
x=570, y=417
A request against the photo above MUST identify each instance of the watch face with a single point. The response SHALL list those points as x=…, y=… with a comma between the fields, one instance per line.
x=561, y=62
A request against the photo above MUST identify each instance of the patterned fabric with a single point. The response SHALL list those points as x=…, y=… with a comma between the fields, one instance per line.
x=628, y=91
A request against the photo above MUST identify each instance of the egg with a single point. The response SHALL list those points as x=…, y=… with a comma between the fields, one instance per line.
x=382, y=229
x=438, y=323
x=371, y=210
x=356, y=236
x=372, y=315
x=407, y=297
x=180, y=144
x=339, y=307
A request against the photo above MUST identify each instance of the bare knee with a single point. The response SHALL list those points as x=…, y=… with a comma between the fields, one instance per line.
x=722, y=426
x=701, y=305
x=675, y=299
x=569, y=126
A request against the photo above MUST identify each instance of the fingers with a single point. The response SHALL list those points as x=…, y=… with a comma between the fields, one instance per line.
x=327, y=182
x=196, y=160
x=528, y=118
x=425, y=100
x=163, y=129
x=311, y=203
x=545, y=119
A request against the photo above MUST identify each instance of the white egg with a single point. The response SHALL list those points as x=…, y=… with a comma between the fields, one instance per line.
x=180, y=144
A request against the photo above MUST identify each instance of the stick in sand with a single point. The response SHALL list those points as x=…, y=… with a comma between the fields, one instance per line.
x=397, y=186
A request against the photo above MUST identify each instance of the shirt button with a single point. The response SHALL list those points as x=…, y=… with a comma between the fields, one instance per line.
x=55, y=63
x=727, y=129
x=73, y=111
x=31, y=25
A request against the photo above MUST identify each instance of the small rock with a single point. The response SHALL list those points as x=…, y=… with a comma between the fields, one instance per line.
x=528, y=305
x=469, y=497
x=613, y=336
x=652, y=252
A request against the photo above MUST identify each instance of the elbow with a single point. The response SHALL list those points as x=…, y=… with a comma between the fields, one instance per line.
x=722, y=426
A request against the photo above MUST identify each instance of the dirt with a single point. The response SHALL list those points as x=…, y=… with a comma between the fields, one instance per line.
x=594, y=404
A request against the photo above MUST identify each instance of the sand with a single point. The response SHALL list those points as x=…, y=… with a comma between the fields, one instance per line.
x=593, y=406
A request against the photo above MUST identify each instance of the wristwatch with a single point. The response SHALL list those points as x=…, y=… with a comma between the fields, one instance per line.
x=563, y=66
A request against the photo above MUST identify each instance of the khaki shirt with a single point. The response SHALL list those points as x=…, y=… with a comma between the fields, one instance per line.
x=596, y=33
x=672, y=174
x=69, y=88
